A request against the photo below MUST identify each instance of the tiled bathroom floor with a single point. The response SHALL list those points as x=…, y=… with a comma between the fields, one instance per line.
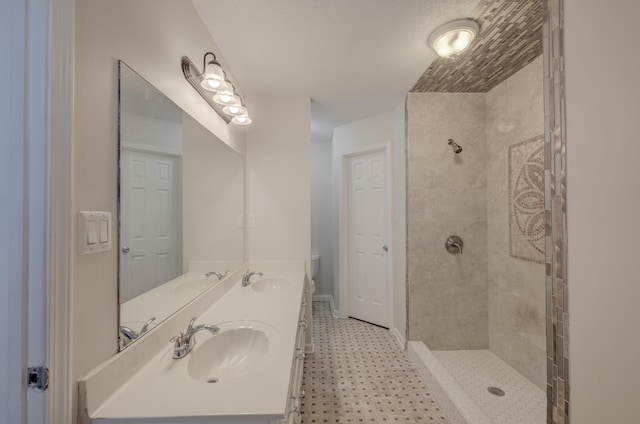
x=474, y=370
x=358, y=374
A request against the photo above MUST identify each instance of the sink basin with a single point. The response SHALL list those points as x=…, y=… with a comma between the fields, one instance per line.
x=269, y=284
x=238, y=349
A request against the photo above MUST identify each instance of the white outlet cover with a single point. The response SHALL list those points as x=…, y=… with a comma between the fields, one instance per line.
x=89, y=230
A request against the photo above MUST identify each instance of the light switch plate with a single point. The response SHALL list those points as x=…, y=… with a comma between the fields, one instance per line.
x=92, y=236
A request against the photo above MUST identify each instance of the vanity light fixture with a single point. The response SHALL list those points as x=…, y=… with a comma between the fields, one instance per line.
x=212, y=84
x=213, y=77
x=453, y=38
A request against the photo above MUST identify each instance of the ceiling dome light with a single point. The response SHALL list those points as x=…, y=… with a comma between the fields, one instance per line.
x=213, y=75
x=453, y=38
x=241, y=120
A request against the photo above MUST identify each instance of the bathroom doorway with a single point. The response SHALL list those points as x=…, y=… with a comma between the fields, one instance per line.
x=368, y=260
x=365, y=237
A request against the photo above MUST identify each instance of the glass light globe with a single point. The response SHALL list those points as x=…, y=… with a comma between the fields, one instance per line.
x=241, y=120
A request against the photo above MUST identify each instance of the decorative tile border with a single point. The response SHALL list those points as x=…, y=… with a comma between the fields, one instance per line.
x=526, y=200
x=557, y=315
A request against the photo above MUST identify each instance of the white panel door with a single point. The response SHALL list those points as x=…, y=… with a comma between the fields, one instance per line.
x=150, y=228
x=368, y=258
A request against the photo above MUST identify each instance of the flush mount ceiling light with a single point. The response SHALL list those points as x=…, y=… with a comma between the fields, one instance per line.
x=453, y=38
x=216, y=89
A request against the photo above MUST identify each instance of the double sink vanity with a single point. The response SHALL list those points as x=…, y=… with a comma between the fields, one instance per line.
x=244, y=366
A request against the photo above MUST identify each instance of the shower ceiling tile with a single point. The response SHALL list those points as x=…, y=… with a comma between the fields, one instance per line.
x=510, y=38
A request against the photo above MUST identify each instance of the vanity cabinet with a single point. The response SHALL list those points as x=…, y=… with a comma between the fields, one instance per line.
x=296, y=394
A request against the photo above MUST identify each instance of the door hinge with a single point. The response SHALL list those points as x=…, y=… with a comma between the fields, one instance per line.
x=38, y=378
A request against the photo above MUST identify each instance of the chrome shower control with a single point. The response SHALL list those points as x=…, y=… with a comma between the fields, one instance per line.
x=454, y=245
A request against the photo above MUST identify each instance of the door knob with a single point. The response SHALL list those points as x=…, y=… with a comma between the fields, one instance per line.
x=385, y=248
x=125, y=249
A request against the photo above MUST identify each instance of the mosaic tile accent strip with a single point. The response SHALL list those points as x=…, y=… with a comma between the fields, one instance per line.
x=526, y=200
x=358, y=374
x=555, y=164
x=475, y=370
x=510, y=38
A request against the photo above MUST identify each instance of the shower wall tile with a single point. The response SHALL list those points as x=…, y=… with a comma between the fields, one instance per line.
x=455, y=204
x=515, y=112
x=448, y=294
x=433, y=119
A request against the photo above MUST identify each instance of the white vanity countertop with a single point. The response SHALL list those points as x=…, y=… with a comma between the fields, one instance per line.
x=162, y=391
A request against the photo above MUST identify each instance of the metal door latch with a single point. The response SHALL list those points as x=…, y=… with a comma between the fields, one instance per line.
x=38, y=378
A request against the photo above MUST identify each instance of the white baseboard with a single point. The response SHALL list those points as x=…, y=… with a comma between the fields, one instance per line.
x=327, y=298
x=322, y=298
x=399, y=337
x=310, y=348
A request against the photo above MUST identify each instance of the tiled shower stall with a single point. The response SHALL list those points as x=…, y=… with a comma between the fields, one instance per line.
x=491, y=298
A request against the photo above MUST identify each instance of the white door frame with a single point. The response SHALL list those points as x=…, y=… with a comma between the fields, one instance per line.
x=62, y=384
x=343, y=224
x=38, y=79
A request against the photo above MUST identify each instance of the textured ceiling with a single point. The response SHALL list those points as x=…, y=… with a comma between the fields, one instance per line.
x=354, y=58
x=510, y=38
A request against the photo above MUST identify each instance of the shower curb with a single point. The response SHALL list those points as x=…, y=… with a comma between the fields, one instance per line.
x=452, y=398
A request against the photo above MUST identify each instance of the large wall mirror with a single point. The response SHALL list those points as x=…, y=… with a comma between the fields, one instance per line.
x=181, y=203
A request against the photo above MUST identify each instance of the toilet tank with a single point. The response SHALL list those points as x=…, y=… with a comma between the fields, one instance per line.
x=315, y=263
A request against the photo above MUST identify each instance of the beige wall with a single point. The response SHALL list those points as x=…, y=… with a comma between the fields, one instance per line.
x=346, y=138
x=278, y=179
x=279, y=183
x=447, y=196
x=399, y=220
x=515, y=112
x=321, y=214
x=377, y=130
x=212, y=198
x=107, y=31
x=603, y=200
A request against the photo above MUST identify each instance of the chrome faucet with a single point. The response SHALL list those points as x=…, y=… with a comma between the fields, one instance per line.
x=246, y=278
x=146, y=325
x=218, y=275
x=184, y=342
x=130, y=334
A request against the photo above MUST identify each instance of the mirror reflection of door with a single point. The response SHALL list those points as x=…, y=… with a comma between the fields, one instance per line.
x=150, y=221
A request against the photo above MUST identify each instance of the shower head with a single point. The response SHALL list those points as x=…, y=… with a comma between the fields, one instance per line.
x=456, y=147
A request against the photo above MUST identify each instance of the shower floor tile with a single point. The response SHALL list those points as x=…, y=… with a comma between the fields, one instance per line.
x=358, y=374
x=475, y=370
